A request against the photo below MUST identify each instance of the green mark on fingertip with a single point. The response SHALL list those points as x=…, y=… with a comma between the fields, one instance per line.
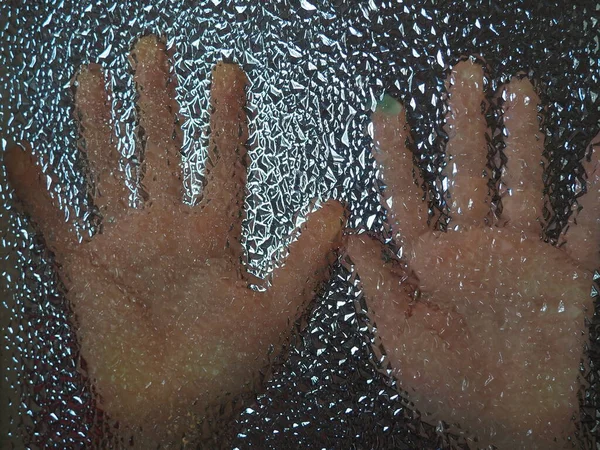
x=389, y=105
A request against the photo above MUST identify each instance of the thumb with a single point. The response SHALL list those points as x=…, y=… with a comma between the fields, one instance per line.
x=387, y=283
x=33, y=199
x=309, y=260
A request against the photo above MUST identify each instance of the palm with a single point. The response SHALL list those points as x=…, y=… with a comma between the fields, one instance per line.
x=528, y=332
x=494, y=340
x=164, y=315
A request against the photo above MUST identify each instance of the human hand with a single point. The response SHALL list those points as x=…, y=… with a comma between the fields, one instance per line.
x=165, y=318
x=483, y=325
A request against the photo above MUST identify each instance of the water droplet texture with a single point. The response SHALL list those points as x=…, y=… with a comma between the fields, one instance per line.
x=316, y=71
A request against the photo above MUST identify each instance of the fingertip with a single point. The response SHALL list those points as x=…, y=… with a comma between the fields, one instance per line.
x=91, y=98
x=228, y=87
x=332, y=217
x=23, y=173
x=321, y=233
x=151, y=64
x=13, y=162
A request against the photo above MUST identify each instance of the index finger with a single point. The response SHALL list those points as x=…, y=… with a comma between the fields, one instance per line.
x=403, y=197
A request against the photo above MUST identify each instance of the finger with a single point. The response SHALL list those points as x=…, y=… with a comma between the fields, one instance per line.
x=403, y=195
x=410, y=329
x=521, y=183
x=583, y=234
x=309, y=259
x=93, y=111
x=223, y=197
x=30, y=185
x=386, y=282
x=468, y=193
x=162, y=177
